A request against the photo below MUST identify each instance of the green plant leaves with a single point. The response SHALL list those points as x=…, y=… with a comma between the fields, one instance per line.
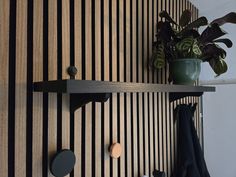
x=218, y=65
x=158, y=56
x=227, y=42
x=188, y=48
x=187, y=42
x=185, y=18
x=184, y=46
x=164, y=14
x=196, y=51
x=229, y=18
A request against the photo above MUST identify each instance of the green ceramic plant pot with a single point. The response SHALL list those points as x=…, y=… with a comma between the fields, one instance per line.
x=185, y=71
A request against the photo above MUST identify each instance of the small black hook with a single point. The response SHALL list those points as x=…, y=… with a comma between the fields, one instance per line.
x=157, y=173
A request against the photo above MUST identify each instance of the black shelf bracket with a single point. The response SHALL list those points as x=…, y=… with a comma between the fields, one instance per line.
x=178, y=95
x=78, y=100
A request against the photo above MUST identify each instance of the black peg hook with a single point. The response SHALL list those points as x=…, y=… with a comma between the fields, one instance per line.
x=72, y=71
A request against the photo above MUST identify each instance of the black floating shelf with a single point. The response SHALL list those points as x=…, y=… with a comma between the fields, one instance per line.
x=84, y=91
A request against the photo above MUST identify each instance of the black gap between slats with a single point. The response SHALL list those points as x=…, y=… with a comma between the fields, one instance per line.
x=93, y=104
x=148, y=94
x=11, y=92
x=102, y=105
x=118, y=79
x=110, y=78
x=125, y=94
x=143, y=95
x=131, y=94
x=59, y=74
x=29, y=103
x=153, y=95
x=45, y=95
x=83, y=130
x=72, y=63
x=137, y=79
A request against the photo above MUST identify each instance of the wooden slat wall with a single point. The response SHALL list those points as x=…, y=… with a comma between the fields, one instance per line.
x=106, y=40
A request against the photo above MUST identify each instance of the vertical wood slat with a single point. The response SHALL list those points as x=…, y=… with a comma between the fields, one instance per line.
x=52, y=75
x=65, y=64
x=134, y=96
x=121, y=76
x=88, y=76
x=106, y=77
x=37, y=97
x=127, y=41
x=20, y=92
x=98, y=64
x=4, y=46
x=145, y=76
x=78, y=65
x=150, y=78
x=160, y=142
x=140, y=95
x=167, y=117
x=155, y=101
x=113, y=67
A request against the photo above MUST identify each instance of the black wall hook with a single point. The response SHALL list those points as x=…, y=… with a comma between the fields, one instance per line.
x=157, y=173
x=62, y=163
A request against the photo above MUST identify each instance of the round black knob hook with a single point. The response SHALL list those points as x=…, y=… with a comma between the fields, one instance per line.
x=62, y=163
x=72, y=71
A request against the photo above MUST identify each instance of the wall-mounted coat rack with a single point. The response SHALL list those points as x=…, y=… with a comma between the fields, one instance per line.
x=84, y=91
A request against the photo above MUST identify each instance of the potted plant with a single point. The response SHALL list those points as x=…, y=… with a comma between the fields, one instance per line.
x=184, y=48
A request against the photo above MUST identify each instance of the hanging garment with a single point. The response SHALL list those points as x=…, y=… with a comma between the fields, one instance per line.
x=190, y=158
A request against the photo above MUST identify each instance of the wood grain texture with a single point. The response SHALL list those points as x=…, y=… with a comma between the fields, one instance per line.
x=98, y=72
x=65, y=63
x=134, y=117
x=121, y=75
x=113, y=103
x=37, y=97
x=88, y=76
x=4, y=47
x=140, y=95
x=113, y=42
x=20, y=92
x=52, y=74
x=78, y=65
x=107, y=78
x=128, y=95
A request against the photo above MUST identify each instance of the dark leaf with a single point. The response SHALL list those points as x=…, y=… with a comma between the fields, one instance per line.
x=213, y=51
x=190, y=33
x=165, y=33
x=218, y=65
x=164, y=14
x=185, y=18
x=211, y=33
x=159, y=25
x=202, y=21
x=229, y=18
x=227, y=42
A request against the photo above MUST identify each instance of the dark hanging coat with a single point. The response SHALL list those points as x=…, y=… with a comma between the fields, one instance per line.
x=190, y=158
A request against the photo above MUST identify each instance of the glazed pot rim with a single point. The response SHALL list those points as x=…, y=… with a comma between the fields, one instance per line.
x=186, y=59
